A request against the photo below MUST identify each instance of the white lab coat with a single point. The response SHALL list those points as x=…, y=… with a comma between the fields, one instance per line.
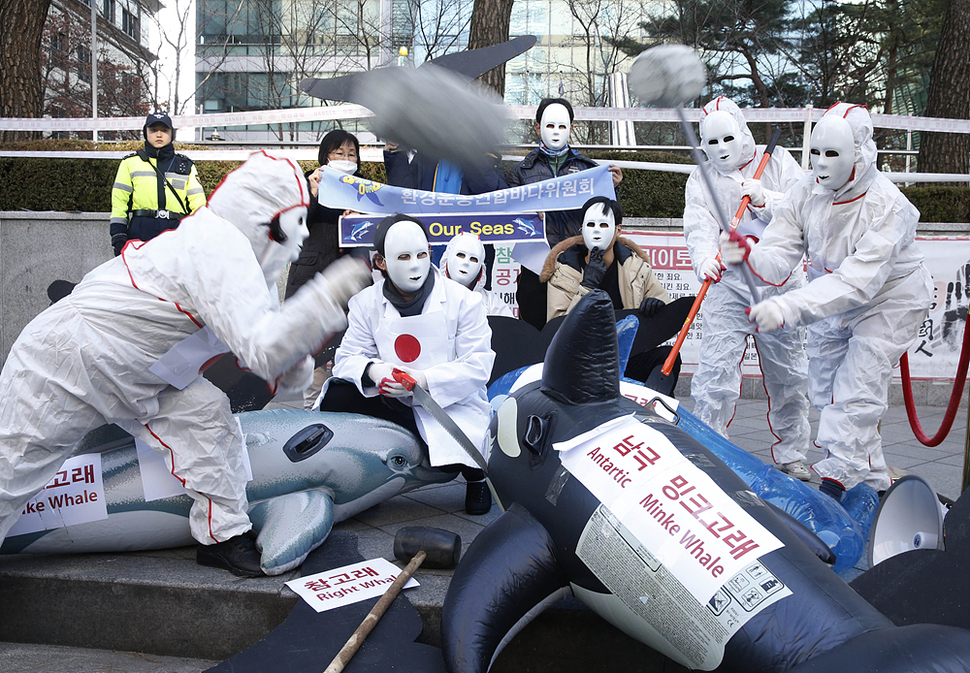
x=868, y=294
x=457, y=382
x=716, y=384
x=86, y=360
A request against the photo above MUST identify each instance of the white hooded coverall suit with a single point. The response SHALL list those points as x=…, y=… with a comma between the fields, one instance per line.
x=85, y=360
x=868, y=294
x=716, y=384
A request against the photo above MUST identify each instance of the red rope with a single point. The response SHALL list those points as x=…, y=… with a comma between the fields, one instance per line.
x=951, y=408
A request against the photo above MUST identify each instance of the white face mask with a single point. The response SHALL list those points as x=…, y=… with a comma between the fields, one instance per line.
x=832, y=151
x=599, y=225
x=722, y=141
x=344, y=166
x=277, y=255
x=465, y=258
x=406, y=256
x=554, y=127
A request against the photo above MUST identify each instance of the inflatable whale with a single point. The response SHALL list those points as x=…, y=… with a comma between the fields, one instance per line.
x=610, y=502
x=842, y=527
x=310, y=470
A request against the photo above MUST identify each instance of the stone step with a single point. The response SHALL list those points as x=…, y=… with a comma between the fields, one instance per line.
x=160, y=611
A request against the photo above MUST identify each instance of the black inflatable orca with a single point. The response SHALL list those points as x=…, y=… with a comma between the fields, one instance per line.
x=630, y=541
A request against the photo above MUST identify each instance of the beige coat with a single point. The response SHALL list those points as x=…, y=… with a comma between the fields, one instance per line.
x=563, y=289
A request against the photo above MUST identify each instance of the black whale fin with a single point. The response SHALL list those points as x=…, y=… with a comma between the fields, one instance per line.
x=582, y=364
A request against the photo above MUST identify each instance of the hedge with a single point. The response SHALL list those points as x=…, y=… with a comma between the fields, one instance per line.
x=85, y=184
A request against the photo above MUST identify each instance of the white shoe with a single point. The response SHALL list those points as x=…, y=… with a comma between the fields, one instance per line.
x=797, y=469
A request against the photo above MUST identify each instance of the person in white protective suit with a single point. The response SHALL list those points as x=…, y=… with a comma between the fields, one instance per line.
x=92, y=357
x=464, y=262
x=716, y=384
x=867, y=295
x=417, y=321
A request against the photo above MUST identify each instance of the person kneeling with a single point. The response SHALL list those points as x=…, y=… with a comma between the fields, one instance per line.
x=417, y=321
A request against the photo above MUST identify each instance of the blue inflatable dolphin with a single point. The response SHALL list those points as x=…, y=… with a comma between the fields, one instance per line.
x=310, y=469
x=612, y=503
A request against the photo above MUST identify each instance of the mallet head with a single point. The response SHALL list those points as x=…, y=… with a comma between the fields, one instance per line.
x=667, y=75
x=443, y=547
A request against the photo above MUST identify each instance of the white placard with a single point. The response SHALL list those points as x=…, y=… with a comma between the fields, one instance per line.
x=185, y=361
x=349, y=584
x=74, y=496
x=531, y=255
x=671, y=506
x=156, y=479
x=158, y=482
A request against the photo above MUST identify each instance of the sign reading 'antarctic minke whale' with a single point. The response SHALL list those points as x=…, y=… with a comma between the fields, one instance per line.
x=700, y=535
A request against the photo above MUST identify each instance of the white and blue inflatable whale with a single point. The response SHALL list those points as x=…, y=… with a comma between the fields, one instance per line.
x=310, y=469
x=616, y=505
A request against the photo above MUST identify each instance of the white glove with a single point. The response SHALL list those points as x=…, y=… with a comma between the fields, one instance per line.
x=419, y=378
x=768, y=314
x=297, y=378
x=382, y=374
x=346, y=277
x=710, y=268
x=734, y=249
x=754, y=191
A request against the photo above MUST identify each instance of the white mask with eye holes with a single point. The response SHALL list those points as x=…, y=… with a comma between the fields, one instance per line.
x=554, y=127
x=406, y=256
x=277, y=254
x=832, y=152
x=465, y=257
x=722, y=141
x=599, y=226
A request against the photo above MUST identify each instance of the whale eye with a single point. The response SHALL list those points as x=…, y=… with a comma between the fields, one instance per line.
x=398, y=461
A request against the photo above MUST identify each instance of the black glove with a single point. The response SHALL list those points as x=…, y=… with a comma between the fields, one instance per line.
x=595, y=270
x=650, y=305
x=118, y=242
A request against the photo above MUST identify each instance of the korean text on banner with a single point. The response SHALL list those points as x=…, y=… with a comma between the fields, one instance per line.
x=567, y=192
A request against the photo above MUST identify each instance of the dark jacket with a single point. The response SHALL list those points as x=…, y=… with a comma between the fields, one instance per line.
x=320, y=249
x=560, y=224
x=422, y=173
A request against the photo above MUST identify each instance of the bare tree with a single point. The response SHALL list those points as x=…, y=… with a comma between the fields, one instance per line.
x=489, y=25
x=587, y=82
x=66, y=75
x=21, y=33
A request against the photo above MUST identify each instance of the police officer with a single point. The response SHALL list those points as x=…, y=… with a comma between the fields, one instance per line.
x=154, y=187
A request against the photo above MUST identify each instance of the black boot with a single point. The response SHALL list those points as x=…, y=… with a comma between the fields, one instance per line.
x=238, y=555
x=478, y=499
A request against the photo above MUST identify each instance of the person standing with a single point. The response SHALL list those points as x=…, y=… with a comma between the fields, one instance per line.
x=716, y=385
x=553, y=158
x=339, y=150
x=867, y=295
x=154, y=187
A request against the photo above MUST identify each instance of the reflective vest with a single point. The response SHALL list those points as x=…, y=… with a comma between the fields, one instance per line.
x=138, y=190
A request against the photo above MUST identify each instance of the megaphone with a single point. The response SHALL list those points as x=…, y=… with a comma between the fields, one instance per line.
x=909, y=517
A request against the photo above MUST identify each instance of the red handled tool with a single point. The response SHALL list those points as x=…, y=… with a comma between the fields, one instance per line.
x=669, y=362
